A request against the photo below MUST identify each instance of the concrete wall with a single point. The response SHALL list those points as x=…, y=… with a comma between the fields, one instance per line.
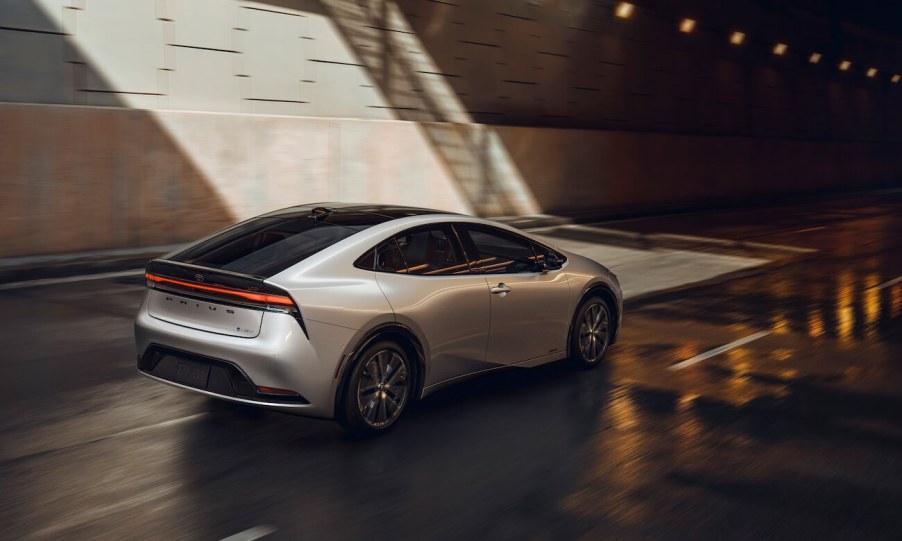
x=620, y=172
x=145, y=122
x=88, y=178
x=569, y=64
x=85, y=178
x=283, y=58
x=575, y=64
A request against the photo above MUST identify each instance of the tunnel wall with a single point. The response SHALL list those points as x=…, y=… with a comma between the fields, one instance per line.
x=89, y=178
x=592, y=173
x=92, y=178
x=154, y=121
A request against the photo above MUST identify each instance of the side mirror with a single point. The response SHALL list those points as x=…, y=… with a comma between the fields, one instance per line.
x=553, y=261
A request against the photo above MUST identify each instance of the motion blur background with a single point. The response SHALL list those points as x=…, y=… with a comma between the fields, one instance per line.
x=151, y=122
x=755, y=391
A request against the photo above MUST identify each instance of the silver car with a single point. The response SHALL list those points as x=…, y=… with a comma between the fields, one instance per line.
x=350, y=311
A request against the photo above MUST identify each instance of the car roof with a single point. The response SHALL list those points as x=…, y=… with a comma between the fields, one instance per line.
x=355, y=214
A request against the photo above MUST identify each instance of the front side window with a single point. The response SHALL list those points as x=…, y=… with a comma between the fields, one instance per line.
x=545, y=255
x=500, y=252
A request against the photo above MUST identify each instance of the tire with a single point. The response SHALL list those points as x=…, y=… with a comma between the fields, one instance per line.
x=591, y=332
x=377, y=390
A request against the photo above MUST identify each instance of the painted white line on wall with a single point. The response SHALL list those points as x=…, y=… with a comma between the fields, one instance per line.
x=70, y=279
x=250, y=535
x=717, y=351
x=889, y=283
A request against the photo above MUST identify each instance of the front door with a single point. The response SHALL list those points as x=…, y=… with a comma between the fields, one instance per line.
x=530, y=308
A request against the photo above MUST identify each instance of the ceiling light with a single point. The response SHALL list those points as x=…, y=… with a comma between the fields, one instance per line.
x=896, y=78
x=624, y=10
x=687, y=25
x=736, y=38
x=814, y=58
x=845, y=65
x=872, y=72
x=779, y=49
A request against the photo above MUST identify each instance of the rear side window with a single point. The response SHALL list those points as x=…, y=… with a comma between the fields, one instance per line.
x=265, y=246
x=424, y=251
x=389, y=258
x=384, y=258
x=431, y=251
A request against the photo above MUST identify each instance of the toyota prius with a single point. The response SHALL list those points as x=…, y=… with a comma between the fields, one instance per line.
x=350, y=311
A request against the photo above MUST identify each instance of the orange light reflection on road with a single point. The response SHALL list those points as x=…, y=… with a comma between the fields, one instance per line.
x=815, y=323
x=845, y=315
x=871, y=305
x=896, y=299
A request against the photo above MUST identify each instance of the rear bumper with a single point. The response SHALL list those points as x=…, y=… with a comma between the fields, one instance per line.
x=297, y=409
x=281, y=357
x=214, y=377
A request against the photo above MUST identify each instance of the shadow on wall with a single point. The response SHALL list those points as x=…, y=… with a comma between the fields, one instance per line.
x=507, y=170
x=402, y=68
x=589, y=172
x=65, y=189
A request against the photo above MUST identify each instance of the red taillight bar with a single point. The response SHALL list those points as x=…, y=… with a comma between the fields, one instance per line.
x=256, y=297
x=272, y=390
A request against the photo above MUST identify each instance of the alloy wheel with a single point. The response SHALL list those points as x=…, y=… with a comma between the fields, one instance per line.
x=594, y=327
x=382, y=388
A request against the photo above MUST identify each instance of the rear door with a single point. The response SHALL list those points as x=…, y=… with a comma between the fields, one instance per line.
x=426, y=279
x=530, y=308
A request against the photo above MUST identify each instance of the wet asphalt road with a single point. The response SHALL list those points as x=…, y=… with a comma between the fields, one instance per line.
x=796, y=435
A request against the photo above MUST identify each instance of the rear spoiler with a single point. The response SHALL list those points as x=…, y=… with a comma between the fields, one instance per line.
x=205, y=275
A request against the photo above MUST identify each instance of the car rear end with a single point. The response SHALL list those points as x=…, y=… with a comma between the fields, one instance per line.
x=212, y=323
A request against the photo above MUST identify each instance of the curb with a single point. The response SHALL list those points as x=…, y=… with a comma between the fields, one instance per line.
x=21, y=269
x=666, y=241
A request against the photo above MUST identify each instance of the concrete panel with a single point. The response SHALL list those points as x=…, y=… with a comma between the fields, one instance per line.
x=35, y=15
x=203, y=23
x=123, y=44
x=203, y=81
x=345, y=91
x=327, y=43
x=273, y=55
x=38, y=77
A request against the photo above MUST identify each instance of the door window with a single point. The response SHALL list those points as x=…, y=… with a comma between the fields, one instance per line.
x=500, y=252
x=431, y=251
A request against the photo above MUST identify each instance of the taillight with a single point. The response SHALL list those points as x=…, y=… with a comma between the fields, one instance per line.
x=262, y=300
x=276, y=392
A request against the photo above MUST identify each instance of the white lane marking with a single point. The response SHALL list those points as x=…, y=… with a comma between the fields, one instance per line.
x=69, y=279
x=717, y=351
x=249, y=535
x=889, y=283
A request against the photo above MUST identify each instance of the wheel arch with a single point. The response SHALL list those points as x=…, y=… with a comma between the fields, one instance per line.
x=396, y=332
x=604, y=291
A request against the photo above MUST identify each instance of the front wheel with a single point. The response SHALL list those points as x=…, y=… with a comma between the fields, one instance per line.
x=591, y=333
x=377, y=390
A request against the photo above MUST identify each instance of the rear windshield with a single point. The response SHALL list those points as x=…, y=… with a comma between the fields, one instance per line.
x=266, y=245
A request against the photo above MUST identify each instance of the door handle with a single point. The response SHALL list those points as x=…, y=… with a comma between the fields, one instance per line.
x=501, y=289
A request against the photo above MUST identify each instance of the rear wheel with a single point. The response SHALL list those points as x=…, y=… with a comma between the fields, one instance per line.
x=591, y=336
x=378, y=389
